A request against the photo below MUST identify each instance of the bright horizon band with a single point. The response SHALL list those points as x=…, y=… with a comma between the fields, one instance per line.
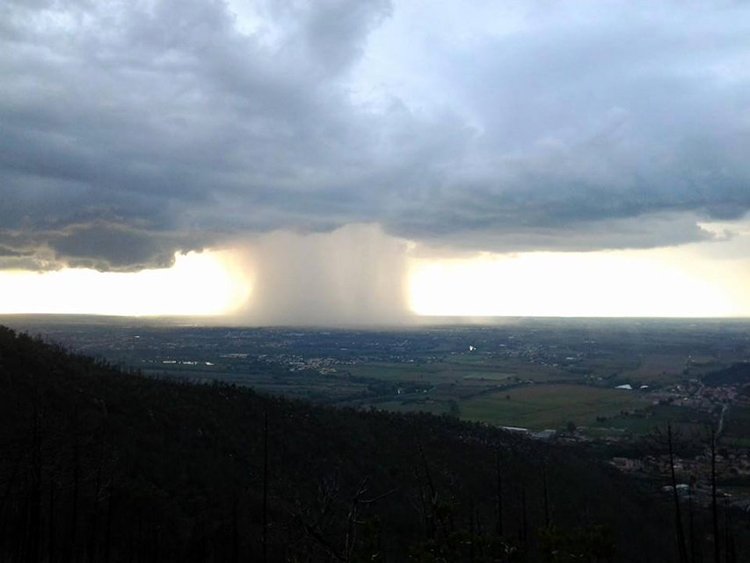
x=673, y=282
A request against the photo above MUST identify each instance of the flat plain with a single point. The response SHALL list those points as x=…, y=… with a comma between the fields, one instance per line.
x=531, y=373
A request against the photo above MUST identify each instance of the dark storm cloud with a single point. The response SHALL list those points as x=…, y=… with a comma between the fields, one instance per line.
x=112, y=247
x=9, y=253
x=129, y=131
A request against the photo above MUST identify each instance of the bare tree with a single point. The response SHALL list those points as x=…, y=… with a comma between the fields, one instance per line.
x=265, y=487
x=682, y=552
x=714, y=507
x=498, y=494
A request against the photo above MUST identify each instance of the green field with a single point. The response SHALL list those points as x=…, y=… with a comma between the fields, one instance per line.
x=737, y=425
x=549, y=406
x=429, y=406
x=457, y=369
x=686, y=420
x=658, y=369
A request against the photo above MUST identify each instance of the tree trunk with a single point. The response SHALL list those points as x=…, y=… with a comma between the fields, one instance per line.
x=677, y=513
x=714, y=508
x=545, y=492
x=499, y=495
x=265, y=488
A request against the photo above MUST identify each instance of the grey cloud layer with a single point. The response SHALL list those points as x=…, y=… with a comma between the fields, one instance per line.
x=131, y=130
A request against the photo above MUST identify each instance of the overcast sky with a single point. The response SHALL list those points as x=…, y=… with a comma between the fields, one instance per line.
x=131, y=130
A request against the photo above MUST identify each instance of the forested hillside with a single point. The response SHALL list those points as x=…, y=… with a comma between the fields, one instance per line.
x=100, y=465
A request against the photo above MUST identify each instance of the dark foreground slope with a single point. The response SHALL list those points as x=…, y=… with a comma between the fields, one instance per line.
x=98, y=465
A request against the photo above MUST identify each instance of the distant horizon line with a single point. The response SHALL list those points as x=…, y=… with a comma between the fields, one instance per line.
x=415, y=321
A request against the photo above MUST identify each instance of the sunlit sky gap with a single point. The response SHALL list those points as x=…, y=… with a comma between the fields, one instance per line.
x=197, y=284
x=679, y=282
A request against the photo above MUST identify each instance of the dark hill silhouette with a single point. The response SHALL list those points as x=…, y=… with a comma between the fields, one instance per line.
x=101, y=465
